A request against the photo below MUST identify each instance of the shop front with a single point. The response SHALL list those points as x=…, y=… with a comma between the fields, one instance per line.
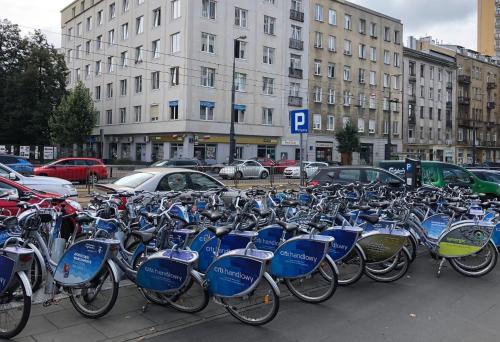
x=324, y=151
x=366, y=154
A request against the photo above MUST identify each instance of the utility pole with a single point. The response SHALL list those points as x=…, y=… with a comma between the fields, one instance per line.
x=232, y=138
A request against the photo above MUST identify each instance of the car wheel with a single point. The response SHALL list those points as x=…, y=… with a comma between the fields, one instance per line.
x=264, y=175
x=92, y=179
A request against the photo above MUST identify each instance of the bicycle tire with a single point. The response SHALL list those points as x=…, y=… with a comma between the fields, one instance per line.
x=477, y=271
x=24, y=284
x=178, y=301
x=355, y=254
x=402, y=260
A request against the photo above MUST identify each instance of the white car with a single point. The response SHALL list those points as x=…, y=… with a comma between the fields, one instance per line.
x=40, y=183
x=309, y=169
x=240, y=169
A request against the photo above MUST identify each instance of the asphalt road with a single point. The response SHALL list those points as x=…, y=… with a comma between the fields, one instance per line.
x=419, y=307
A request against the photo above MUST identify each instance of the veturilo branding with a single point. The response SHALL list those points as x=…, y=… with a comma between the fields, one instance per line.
x=234, y=274
x=299, y=256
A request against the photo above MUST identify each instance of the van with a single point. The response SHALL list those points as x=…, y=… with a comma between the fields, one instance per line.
x=441, y=174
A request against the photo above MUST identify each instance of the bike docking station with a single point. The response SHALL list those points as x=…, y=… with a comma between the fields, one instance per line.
x=413, y=173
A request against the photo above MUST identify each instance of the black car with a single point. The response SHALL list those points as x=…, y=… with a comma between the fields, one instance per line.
x=354, y=174
x=192, y=164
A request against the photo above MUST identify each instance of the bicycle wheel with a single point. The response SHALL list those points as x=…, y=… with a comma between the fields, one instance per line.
x=35, y=274
x=392, y=273
x=259, y=306
x=193, y=298
x=351, y=267
x=15, y=307
x=316, y=287
x=98, y=299
x=477, y=264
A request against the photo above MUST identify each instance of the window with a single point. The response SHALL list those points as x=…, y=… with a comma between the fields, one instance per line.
x=371, y=126
x=138, y=84
x=208, y=9
x=98, y=68
x=123, y=87
x=269, y=25
x=347, y=73
x=156, y=48
x=362, y=51
x=295, y=61
x=207, y=110
x=372, y=102
x=268, y=85
x=240, y=81
x=361, y=100
x=332, y=43
x=157, y=17
x=207, y=77
x=362, y=26
x=78, y=51
x=330, y=123
x=154, y=112
x=111, y=37
x=387, y=34
x=240, y=49
x=296, y=32
x=124, y=59
x=87, y=71
x=297, y=5
x=387, y=80
x=79, y=30
x=373, y=78
x=347, y=22
x=317, y=94
x=331, y=96
x=137, y=113
x=97, y=93
x=98, y=42
x=430, y=113
x=125, y=31
x=175, y=42
x=239, y=114
x=111, y=64
x=373, y=54
x=347, y=47
x=397, y=37
x=317, y=67
x=70, y=34
x=109, y=117
x=397, y=59
x=98, y=118
x=268, y=56
x=99, y=17
x=139, y=54
x=88, y=44
x=112, y=11
x=207, y=42
x=123, y=115
x=155, y=80
x=331, y=70
x=332, y=17
x=176, y=9
x=361, y=125
x=431, y=93
x=240, y=17
x=139, y=25
x=174, y=110
x=317, y=121
x=347, y=98
x=318, y=40
x=89, y=23
x=78, y=74
x=267, y=116
x=361, y=76
x=318, y=12
x=125, y=5
x=387, y=57
x=174, y=76
x=373, y=30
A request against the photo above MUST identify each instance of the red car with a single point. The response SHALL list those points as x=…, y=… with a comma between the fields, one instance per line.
x=75, y=170
x=283, y=164
x=10, y=208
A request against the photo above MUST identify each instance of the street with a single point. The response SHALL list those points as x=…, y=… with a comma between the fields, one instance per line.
x=419, y=307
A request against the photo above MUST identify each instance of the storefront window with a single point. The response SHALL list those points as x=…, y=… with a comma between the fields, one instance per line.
x=157, y=152
x=205, y=151
x=176, y=151
x=266, y=151
x=239, y=152
x=126, y=151
x=366, y=154
x=324, y=151
x=113, y=148
x=140, y=152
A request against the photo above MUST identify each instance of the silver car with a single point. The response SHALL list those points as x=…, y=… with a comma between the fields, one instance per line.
x=241, y=169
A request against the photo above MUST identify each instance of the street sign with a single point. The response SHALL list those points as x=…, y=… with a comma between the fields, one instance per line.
x=299, y=121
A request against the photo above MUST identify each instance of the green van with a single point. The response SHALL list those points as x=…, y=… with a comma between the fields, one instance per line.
x=441, y=174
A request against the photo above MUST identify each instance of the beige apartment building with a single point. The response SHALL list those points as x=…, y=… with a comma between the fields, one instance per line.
x=488, y=27
x=355, y=74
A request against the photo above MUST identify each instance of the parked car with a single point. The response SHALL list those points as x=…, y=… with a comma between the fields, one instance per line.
x=75, y=169
x=309, y=169
x=354, y=174
x=192, y=164
x=266, y=162
x=487, y=175
x=283, y=164
x=46, y=184
x=216, y=167
x=16, y=163
x=441, y=174
x=163, y=179
x=241, y=169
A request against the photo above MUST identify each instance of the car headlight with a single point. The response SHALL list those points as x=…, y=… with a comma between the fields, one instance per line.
x=75, y=205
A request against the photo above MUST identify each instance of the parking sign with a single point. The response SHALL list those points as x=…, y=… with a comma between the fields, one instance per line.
x=299, y=120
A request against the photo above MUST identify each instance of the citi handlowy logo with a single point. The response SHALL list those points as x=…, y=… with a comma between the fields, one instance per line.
x=234, y=274
x=300, y=256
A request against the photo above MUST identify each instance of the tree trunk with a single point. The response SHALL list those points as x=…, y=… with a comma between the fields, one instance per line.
x=346, y=158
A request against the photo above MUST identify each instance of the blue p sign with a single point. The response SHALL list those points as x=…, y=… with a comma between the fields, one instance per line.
x=299, y=120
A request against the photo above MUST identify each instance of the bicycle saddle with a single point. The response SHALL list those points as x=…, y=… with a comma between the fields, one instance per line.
x=290, y=203
x=361, y=207
x=221, y=231
x=84, y=218
x=262, y=213
x=289, y=227
x=145, y=235
x=383, y=204
x=212, y=215
x=320, y=226
x=458, y=210
x=370, y=218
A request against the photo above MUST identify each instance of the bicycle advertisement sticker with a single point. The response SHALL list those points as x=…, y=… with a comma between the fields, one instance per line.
x=162, y=274
x=297, y=257
x=6, y=268
x=233, y=275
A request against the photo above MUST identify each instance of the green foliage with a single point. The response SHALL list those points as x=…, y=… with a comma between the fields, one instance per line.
x=74, y=118
x=32, y=83
x=348, y=139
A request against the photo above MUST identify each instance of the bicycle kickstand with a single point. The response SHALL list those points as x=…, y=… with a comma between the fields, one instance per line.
x=440, y=266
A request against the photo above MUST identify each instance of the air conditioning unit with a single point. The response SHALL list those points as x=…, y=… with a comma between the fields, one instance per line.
x=371, y=131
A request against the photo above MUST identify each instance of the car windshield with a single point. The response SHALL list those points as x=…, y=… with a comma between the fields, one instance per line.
x=134, y=180
x=237, y=162
x=488, y=176
x=159, y=163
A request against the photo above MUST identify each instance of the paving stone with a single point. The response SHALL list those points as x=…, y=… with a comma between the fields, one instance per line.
x=78, y=333
x=117, y=325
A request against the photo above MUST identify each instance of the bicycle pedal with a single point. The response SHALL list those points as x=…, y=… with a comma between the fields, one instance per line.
x=47, y=303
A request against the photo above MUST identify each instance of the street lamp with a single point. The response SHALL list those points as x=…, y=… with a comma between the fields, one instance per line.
x=388, y=148
x=232, y=139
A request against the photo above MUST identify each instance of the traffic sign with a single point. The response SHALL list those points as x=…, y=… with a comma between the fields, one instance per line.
x=299, y=120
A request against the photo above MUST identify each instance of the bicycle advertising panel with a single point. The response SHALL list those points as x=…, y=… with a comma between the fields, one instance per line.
x=83, y=261
x=345, y=239
x=435, y=225
x=299, y=256
x=269, y=238
x=6, y=270
x=465, y=238
x=231, y=276
x=382, y=245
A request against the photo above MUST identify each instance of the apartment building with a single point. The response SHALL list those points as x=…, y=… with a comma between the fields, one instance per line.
x=161, y=74
x=355, y=63
x=429, y=104
x=488, y=27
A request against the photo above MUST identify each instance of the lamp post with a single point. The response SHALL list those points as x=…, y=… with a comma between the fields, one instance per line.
x=232, y=139
x=388, y=148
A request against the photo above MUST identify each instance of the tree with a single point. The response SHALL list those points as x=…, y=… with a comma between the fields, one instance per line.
x=348, y=142
x=75, y=117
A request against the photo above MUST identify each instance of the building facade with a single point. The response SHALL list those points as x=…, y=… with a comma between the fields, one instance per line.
x=429, y=105
x=161, y=74
x=355, y=74
x=488, y=27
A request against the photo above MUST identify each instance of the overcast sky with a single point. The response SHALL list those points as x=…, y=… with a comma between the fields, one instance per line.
x=452, y=21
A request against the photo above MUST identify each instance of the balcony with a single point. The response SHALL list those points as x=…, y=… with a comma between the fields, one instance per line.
x=449, y=104
x=491, y=85
x=296, y=44
x=294, y=73
x=411, y=140
x=412, y=98
x=412, y=78
x=463, y=100
x=449, y=124
x=491, y=105
x=295, y=101
x=464, y=79
x=463, y=121
x=449, y=85
x=297, y=15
